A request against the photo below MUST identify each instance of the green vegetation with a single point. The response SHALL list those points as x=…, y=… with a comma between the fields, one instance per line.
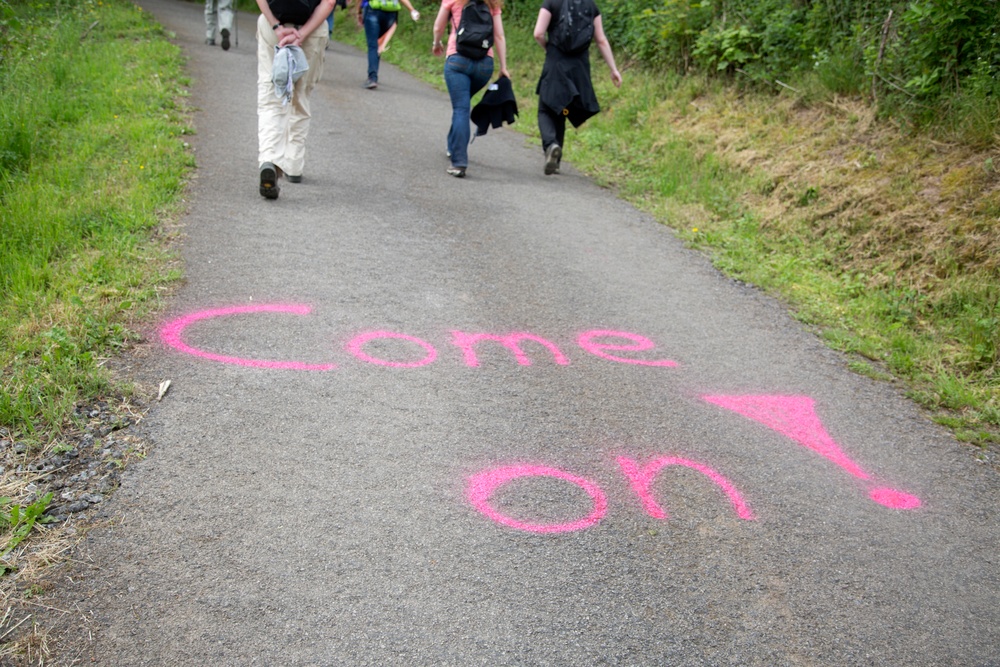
x=926, y=61
x=18, y=522
x=91, y=161
x=883, y=237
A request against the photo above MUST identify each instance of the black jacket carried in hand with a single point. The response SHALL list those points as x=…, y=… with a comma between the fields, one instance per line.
x=497, y=107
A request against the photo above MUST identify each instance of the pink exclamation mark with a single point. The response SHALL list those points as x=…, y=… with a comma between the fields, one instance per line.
x=795, y=417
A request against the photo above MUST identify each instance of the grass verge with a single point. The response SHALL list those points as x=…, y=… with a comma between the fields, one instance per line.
x=92, y=160
x=886, y=241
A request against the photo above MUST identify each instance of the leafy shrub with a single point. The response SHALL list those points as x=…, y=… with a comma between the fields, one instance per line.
x=727, y=49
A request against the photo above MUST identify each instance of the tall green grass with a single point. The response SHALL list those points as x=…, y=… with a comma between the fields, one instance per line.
x=91, y=159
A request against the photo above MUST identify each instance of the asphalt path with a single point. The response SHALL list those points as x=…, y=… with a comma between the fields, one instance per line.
x=505, y=420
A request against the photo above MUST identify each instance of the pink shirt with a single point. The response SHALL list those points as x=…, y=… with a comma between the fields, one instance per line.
x=456, y=7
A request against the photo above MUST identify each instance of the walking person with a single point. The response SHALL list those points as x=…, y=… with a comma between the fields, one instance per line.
x=218, y=13
x=329, y=19
x=465, y=74
x=282, y=124
x=379, y=18
x=565, y=29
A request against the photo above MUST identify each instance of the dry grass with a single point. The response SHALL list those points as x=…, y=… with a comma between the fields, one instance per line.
x=919, y=210
x=103, y=450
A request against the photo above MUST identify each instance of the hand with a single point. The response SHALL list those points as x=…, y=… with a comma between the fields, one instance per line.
x=616, y=77
x=415, y=15
x=504, y=72
x=437, y=49
x=290, y=37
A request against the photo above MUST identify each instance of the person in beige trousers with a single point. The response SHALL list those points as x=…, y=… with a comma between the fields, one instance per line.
x=218, y=14
x=282, y=128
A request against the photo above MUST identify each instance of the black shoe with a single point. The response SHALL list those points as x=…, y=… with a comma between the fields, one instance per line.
x=269, y=181
x=294, y=179
x=553, y=155
x=371, y=84
x=225, y=39
x=210, y=41
x=457, y=172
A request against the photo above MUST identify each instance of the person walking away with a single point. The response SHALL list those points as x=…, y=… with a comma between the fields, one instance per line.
x=329, y=19
x=465, y=70
x=282, y=127
x=218, y=13
x=378, y=17
x=565, y=29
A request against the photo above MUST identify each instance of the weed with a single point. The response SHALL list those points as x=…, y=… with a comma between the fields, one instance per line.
x=16, y=522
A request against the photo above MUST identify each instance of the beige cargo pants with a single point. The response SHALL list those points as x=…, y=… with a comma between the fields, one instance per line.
x=282, y=128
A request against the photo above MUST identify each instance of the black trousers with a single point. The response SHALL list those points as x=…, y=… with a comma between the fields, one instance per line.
x=552, y=126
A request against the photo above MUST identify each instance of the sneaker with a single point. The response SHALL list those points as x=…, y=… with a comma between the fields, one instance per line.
x=371, y=84
x=225, y=39
x=553, y=155
x=269, y=181
x=210, y=41
x=457, y=172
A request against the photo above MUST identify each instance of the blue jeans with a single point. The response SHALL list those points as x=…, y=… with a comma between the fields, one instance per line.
x=377, y=23
x=464, y=77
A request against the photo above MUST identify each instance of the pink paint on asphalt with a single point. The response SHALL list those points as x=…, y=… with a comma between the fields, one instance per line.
x=796, y=418
x=587, y=341
x=642, y=479
x=482, y=486
x=172, y=332
x=356, y=347
x=466, y=342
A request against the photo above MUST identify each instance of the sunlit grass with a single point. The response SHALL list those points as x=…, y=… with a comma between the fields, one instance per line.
x=92, y=159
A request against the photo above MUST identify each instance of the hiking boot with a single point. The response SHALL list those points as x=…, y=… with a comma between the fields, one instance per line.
x=225, y=39
x=269, y=181
x=553, y=155
x=371, y=84
x=457, y=172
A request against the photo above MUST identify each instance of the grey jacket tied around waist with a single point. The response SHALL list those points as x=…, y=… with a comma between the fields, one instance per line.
x=289, y=66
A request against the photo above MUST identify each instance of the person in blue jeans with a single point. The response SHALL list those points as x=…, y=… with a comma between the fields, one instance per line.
x=465, y=76
x=378, y=17
x=329, y=19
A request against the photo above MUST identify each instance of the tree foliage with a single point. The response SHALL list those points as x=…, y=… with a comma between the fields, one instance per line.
x=903, y=53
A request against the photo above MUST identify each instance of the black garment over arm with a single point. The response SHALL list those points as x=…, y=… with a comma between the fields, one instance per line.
x=565, y=86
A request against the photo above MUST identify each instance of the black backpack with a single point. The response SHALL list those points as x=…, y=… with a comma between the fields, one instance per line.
x=574, y=27
x=474, y=33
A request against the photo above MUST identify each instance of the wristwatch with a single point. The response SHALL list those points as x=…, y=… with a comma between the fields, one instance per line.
x=275, y=26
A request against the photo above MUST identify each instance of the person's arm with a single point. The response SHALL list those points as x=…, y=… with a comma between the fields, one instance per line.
x=542, y=27
x=359, y=12
x=414, y=14
x=319, y=15
x=500, y=44
x=281, y=32
x=440, y=25
x=605, y=48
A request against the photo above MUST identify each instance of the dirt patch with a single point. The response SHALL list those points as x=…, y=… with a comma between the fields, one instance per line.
x=80, y=470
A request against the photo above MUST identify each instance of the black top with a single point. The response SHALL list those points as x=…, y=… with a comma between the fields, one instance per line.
x=564, y=86
x=555, y=5
x=296, y=12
